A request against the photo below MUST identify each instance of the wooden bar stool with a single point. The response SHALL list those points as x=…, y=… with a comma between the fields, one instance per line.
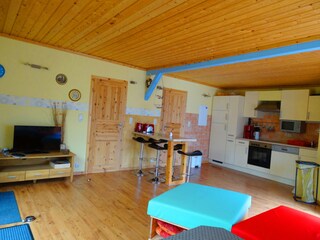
x=142, y=141
x=156, y=179
x=190, y=154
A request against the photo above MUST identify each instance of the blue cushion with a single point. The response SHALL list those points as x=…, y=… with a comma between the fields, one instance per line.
x=191, y=205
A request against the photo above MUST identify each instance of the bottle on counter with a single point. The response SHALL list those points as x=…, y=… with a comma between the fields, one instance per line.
x=171, y=134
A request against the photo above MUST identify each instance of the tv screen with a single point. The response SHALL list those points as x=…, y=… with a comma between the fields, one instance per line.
x=36, y=139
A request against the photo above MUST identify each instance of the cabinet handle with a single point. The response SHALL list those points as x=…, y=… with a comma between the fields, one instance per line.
x=246, y=150
x=241, y=142
x=60, y=172
x=308, y=115
x=230, y=140
x=227, y=106
x=12, y=177
x=230, y=135
x=226, y=117
x=37, y=174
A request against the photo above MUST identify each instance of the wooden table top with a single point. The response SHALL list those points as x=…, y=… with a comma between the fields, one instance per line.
x=174, y=138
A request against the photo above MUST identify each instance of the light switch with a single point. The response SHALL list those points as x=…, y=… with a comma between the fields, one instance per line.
x=130, y=120
x=154, y=121
x=80, y=117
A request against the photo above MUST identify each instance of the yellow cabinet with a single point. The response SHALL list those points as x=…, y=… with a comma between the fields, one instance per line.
x=12, y=176
x=37, y=174
x=251, y=101
x=294, y=104
x=270, y=95
x=314, y=109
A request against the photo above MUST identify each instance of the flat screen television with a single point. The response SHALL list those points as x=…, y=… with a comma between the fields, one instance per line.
x=36, y=139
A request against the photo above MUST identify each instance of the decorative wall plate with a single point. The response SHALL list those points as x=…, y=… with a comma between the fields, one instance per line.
x=74, y=95
x=2, y=71
x=61, y=79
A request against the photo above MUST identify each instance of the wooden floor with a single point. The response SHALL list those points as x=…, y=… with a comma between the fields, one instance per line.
x=114, y=205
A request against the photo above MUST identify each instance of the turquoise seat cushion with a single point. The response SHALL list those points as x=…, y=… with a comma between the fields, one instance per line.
x=191, y=205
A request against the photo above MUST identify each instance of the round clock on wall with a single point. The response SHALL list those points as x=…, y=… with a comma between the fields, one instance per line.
x=2, y=71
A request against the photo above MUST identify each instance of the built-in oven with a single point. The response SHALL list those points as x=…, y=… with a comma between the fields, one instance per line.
x=259, y=154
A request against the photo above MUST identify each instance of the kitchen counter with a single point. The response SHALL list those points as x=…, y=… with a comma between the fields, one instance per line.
x=279, y=143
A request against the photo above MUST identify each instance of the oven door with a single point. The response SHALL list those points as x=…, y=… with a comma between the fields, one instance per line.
x=260, y=157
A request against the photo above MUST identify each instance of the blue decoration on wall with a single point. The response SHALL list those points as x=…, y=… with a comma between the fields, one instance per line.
x=2, y=71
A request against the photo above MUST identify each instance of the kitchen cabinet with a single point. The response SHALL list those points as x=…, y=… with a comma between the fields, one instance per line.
x=227, y=124
x=218, y=138
x=241, y=153
x=283, y=161
x=313, y=109
x=230, y=151
x=269, y=95
x=251, y=101
x=294, y=104
x=308, y=155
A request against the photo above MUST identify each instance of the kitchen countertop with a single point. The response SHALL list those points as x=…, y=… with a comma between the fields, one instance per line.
x=278, y=143
x=174, y=138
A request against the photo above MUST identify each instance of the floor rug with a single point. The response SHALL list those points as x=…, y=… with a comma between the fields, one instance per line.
x=9, y=212
x=20, y=232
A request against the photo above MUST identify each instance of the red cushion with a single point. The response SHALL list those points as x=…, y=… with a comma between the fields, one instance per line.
x=279, y=223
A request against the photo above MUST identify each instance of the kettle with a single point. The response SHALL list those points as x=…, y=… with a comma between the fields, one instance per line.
x=256, y=133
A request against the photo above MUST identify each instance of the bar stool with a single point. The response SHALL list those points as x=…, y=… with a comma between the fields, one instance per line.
x=175, y=149
x=156, y=179
x=190, y=154
x=142, y=141
x=156, y=141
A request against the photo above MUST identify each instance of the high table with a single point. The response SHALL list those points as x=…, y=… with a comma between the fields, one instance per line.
x=171, y=141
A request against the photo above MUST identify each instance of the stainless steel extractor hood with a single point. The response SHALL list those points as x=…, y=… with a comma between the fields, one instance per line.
x=268, y=106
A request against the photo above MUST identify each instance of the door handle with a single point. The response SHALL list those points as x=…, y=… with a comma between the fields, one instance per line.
x=120, y=125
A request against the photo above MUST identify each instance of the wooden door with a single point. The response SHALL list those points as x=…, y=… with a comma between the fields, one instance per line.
x=107, y=118
x=173, y=111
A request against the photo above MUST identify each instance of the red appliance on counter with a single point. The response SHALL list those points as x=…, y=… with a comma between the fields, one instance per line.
x=148, y=128
x=248, y=131
x=139, y=127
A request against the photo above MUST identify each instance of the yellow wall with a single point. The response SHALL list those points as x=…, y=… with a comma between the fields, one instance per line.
x=23, y=81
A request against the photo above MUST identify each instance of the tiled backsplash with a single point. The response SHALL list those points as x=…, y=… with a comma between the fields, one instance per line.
x=270, y=130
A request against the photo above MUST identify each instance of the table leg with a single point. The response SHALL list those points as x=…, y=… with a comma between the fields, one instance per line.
x=184, y=160
x=169, y=163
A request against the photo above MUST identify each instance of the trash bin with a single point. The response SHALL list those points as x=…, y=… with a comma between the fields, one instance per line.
x=306, y=182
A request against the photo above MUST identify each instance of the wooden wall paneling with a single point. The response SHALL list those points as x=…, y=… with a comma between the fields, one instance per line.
x=4, y=9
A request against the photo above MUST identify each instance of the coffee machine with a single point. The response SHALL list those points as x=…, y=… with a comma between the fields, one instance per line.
x=248, y=131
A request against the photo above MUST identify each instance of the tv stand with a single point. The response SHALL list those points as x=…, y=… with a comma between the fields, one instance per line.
x=34, y=167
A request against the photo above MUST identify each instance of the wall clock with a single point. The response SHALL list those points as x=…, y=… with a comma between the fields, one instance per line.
x=2, y=71
x=74, y=95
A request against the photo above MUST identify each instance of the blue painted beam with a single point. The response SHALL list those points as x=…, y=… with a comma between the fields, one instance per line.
x=264, y=54
x=152, y=86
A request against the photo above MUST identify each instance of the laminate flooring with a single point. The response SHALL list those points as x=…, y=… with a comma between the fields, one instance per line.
x=113, y=205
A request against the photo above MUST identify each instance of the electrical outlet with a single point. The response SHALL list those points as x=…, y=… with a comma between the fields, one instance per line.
x=76, y=165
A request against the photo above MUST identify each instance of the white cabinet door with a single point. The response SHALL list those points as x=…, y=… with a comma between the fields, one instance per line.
x=314, y=109
x=283, y=164
x=236, y=121
x=230, y=151
x=220, y=116
x=250, y=103
x=241, y=153
x=218, y=139
x=220, y=103
x=294, y=104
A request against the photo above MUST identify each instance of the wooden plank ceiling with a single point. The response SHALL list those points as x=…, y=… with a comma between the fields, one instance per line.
x=162, y=33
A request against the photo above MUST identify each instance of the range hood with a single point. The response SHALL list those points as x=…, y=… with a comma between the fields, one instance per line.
x=268, y=106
